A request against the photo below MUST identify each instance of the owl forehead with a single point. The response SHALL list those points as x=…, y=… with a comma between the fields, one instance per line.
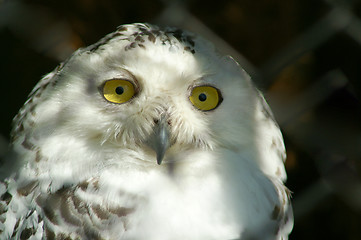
x=157, y=56
x=139, y=35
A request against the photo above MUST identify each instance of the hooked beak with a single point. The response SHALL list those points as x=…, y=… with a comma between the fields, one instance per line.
x=159, y=140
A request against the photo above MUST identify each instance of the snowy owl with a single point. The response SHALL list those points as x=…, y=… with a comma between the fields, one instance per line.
x=149, y=133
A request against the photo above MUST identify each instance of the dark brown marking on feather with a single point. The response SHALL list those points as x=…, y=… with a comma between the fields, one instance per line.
x=50, y=235
x=49, y=214
x=60, y=201
x=177, y=34
x=20, y=128
x=101, y=213
x=50, y=202
x=142, y=46
x=135, y=34
x=133, y=45
x=79, y=205
x=28, y=188
x=40, y=200
x=36, y=95
x=90, y=233
x=151, y=37
x=27, y=233
x=32, y=109
x=16, y=228
x=54, y=81
x=38, y=156
x=95, y=184
x=3, y=209
x=59, y=67
x=14, y=234
x=187, y=48
x=275, y=213
x=40, y=219
x=121, y=211
x=30, y=101
x=139, y=39
x=122, y=29
x=17, y=224
x=6, y=197
x=117, y=34
x=27, y=144
x=63, y=236
x=83, y=185
x=42, y=87
x=67, y=214
x=156, y=32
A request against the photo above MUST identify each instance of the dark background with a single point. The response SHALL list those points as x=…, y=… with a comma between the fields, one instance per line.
x=305, y=55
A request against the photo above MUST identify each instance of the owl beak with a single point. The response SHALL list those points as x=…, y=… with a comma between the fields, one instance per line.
x=159, y=140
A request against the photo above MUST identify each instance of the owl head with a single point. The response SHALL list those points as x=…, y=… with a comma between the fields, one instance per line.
x=144, y=92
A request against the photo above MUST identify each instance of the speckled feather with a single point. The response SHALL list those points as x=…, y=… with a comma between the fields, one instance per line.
x=85, y=167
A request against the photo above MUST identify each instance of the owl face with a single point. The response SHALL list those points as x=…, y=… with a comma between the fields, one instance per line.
x=151, y=91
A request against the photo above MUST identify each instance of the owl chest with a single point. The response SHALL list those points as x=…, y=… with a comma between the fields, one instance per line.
x=193, y=207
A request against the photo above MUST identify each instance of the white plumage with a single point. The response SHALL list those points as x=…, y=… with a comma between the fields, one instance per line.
x=87, y=142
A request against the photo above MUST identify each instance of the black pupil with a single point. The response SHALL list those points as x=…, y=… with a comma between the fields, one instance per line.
x=202, y=97
x=119, y=90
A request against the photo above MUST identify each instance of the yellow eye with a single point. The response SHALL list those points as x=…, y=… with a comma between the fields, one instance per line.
x=118, y=90
x=205, y=98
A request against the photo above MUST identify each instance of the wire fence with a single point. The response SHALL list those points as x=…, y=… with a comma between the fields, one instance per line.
x=305, y=56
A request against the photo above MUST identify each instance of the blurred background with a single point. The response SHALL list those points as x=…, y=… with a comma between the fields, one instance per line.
x=305, y=55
